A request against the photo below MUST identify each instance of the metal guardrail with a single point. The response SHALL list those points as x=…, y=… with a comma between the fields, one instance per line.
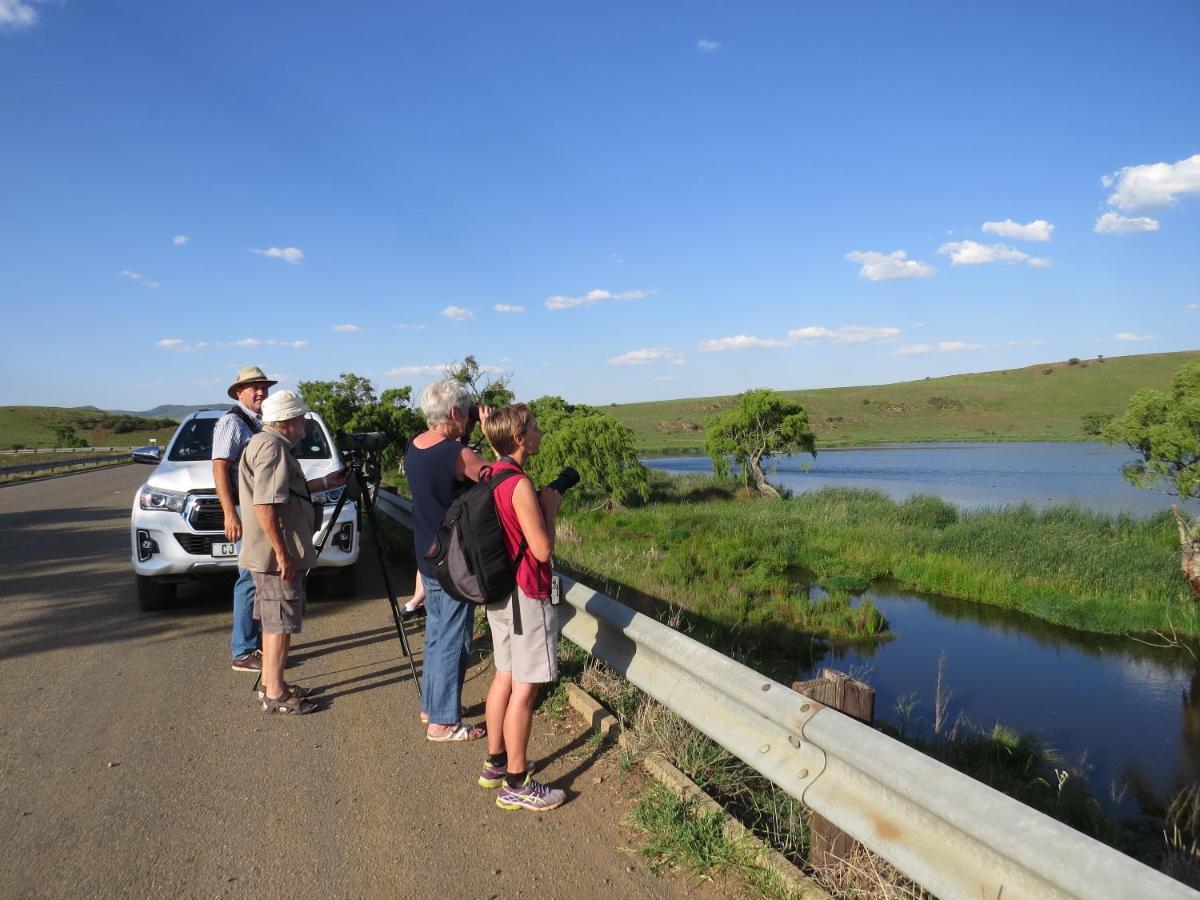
x=953, y=835
x=62, y=463
x=27, y=450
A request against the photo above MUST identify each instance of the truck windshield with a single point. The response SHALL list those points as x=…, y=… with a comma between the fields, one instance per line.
x=195, y=439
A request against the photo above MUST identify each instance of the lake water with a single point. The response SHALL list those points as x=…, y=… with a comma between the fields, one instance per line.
x=1129, y=711
x=967, y=474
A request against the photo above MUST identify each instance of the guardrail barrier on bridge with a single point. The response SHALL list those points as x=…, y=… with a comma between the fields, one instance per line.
x=953, y=835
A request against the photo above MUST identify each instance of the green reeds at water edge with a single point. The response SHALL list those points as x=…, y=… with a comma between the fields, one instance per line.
x=746, y=565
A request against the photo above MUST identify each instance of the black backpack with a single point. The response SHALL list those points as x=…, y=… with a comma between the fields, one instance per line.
x=468, y=554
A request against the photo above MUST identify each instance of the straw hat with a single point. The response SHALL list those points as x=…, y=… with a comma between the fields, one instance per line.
x=283, y=406
x=249, y=375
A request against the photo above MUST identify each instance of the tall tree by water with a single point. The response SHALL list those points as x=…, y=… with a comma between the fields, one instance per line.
x=1163, y=428
x=762, y=423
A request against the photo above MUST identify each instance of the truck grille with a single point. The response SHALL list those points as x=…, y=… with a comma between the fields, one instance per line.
x=198, y=544
x=206, y=514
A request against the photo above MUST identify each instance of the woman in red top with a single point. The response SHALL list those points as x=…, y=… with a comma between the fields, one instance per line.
x=524, y=626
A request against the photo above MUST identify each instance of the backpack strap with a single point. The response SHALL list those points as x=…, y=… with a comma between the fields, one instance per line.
x=253, y=424
x=494, y=481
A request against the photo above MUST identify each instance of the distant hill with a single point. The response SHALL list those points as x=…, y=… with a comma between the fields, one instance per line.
x=79, y=426
x=1043, y=402
x=166, y=411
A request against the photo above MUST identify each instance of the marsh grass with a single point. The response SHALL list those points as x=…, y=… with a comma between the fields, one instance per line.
x=743, y=568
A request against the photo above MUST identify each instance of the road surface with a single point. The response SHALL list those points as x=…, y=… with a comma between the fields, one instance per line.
x=133, y=761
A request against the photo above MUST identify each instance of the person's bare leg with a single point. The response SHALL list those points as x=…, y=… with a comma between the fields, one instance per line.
x=494, y=711
x=274, y=659
x=518, y=721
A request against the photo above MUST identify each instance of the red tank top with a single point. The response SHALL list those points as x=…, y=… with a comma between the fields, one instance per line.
x=533, y=577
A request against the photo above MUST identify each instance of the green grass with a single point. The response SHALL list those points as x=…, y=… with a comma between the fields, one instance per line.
x=741, y=569
x=33, y=426
x=1013, y=404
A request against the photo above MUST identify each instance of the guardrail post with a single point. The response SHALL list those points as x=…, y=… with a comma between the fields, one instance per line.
x=828, y=844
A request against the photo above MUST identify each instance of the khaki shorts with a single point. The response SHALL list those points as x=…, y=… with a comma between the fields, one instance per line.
x=527, y=648
x=278, y=604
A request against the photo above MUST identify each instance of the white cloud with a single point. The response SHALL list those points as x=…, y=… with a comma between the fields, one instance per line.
x=878, y=266
x=1192, y=307
x=706, y=46
x=1156, y=184
x=417, y=370
x=847, y=334
x=457, y=313
x=136, y=276
x=17, y=14
x=244, y=342
x=1115, y=223
x=939, y=347
x=349, y=329
x=1129, y=336
x=972, y=253
x=180, y=239
x=506, y=308
x=1037, y=230
x=741, y=342
x=439, y=369
x=291, y=255
x=179, y=345
x=956, y=346
x=812, y=334
x=560, y=301
x=648, y=355
x=295, y=345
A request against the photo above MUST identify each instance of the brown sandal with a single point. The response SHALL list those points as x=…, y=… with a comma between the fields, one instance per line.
x=288, y=704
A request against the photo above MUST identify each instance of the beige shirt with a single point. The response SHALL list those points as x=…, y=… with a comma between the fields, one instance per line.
x=269, y=473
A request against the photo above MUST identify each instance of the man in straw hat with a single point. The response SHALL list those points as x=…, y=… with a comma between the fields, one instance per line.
x=230, y=436
x=277, y=541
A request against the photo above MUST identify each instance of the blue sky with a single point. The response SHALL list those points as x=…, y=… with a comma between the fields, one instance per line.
x=614, y=202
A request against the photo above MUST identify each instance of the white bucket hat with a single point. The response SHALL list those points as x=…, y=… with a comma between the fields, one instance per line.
x=283, y=405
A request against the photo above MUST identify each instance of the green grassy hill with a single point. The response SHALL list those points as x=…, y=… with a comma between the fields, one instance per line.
x=36, y=426
x=1042, y=402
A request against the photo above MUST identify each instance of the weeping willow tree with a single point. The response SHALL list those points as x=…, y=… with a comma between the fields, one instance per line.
x=761, y=424
x=1163, y=428
x=595, y=444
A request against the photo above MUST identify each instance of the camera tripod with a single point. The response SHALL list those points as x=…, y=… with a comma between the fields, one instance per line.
x=358, y=489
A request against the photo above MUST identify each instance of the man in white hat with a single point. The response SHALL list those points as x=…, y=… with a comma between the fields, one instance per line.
x=277, y=540
x=230, y=436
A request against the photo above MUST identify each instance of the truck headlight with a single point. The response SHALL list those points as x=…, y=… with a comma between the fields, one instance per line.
x=156, y=498
x=333, y=495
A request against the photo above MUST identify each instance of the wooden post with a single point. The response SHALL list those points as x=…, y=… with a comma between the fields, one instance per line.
x=836, y=690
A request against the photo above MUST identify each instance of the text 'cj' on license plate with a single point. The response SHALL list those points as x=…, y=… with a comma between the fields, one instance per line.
x=223, y=550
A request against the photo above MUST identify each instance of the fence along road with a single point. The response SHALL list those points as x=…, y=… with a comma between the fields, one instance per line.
x=953, y=835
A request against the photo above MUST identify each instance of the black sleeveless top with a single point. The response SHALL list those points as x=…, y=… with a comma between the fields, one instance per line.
x=431, y=477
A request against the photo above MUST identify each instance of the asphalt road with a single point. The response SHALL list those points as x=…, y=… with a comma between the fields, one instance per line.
x=133, y=761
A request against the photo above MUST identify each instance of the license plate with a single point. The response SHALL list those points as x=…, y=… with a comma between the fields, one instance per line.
x=220, y=551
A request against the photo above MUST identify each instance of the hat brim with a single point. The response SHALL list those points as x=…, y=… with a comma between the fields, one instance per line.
x=233, y=388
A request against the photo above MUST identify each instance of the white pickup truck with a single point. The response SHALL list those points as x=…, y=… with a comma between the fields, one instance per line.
x=177, y=530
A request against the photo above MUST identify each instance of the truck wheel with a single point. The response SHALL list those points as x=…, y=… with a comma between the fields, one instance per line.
x=153, y=595
x=341, y=583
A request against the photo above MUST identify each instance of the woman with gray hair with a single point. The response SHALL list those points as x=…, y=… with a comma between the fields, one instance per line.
x=439, y=467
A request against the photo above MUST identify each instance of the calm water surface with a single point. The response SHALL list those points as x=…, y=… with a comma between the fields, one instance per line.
x=1129, y=712
x=969, y=475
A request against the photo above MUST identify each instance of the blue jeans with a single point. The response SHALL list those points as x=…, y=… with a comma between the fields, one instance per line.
x=448, y=627
x=246, y=629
